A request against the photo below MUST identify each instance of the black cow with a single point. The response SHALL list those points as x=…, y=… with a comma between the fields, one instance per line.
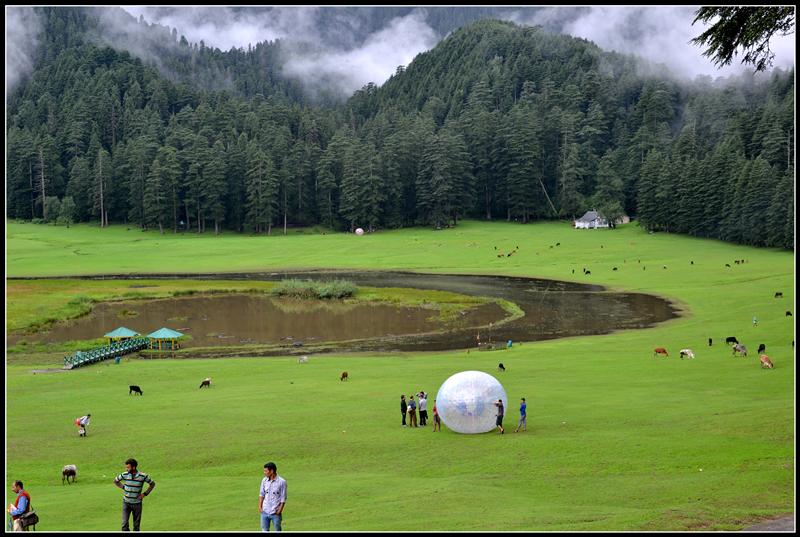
x=710, y=341
x=779, y=294
x=501, y=367
x=761, y=348
x=134, y=389
x=731, y=339
x=788, y=313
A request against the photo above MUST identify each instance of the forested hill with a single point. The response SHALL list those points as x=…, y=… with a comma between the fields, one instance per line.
x=498, y=121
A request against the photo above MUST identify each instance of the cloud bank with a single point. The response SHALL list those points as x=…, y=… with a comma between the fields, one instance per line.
x=326, y=49
x=22, y=36
x=660, y=35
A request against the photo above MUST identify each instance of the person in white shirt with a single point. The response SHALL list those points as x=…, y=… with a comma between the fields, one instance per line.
x=423, y=408
x=271, y=497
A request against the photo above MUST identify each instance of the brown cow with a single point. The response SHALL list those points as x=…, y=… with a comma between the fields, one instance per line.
x=660, y=350
x=766, y=363
x=344, y=376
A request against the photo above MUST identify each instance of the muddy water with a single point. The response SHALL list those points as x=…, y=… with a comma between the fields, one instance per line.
x=228, y=319
x=553, y=309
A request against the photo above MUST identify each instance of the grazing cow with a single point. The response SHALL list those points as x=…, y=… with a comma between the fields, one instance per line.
x=70, y=470
x=588, y=272
x=660, y=350
x=615, y=268
x=788, y=313
x=206, y=382
x=731, y=339
x=687, y=353
x=761, y=348
x=134, y=389
x=766, y=363
x=302, y=360
x=501, y=367
x=344, y=376
x=710, y=342
x=779, y=294
x=727, y=265
x=740, y=349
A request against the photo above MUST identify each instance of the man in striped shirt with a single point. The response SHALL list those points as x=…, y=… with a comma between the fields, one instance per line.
x=132, y=482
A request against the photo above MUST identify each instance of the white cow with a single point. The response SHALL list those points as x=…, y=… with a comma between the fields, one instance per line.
x=687, y=353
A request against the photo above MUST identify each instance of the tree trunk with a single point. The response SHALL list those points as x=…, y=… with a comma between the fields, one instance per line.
x=33, y=198
x=102, y=194
x=41, y=182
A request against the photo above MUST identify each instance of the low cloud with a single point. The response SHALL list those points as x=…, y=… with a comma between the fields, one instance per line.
x=341, y=60
x=374, y=61
x=23, y=28
x=660, y=35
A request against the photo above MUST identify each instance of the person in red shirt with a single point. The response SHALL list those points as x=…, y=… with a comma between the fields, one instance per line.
x=437, y=422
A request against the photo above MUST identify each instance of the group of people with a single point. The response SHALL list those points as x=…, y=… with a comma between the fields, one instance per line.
x=523, y=416
x=271, y=497
x=409, y=408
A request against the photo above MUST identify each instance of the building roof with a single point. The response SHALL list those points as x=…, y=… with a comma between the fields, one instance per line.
x=122, y=332
x=165, y=333
x=590, y=216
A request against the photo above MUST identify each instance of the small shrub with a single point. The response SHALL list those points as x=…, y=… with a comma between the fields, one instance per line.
x=307, y=289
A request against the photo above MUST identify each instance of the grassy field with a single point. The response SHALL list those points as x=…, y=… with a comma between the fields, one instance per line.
x=616, y=440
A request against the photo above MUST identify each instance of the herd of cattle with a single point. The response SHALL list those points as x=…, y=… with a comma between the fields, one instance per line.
x=738, y=349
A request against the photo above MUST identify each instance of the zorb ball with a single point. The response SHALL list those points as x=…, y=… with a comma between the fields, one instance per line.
x=466, y=402
x=359, y=231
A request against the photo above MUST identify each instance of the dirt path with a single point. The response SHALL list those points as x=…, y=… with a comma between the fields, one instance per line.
x=779, y=524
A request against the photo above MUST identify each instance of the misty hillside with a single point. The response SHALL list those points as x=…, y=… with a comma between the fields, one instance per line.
x=498, y=121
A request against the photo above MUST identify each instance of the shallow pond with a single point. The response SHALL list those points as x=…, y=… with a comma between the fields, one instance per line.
x=553, y=309
x=228, y=319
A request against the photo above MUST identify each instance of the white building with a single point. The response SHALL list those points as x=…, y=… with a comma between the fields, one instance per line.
x=591, y=220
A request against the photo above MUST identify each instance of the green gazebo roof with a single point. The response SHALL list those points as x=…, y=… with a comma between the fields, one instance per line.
x=122, y=332
x=165, y=333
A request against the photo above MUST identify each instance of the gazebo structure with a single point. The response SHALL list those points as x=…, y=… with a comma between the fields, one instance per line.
x=164, y=339
x=121, y=334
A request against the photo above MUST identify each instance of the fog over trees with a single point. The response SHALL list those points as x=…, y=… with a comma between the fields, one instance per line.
x=498, y=121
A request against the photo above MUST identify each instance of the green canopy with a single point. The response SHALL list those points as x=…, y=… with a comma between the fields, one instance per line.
x=165, y=333
x=122, y=332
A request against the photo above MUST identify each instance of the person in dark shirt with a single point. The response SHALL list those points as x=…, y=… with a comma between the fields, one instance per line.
x=499, y=405
x=403, y=408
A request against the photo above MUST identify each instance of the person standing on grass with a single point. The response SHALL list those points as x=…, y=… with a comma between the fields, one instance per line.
x=403, y=408
x=412, y=411
x=499, y=405
x=437, y=422
x=423, y=408
x=132, y=482
x=20, y=506
x=523, y=416
x=271, y=497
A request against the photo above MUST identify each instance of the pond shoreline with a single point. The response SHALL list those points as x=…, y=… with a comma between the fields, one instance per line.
x=549, y=309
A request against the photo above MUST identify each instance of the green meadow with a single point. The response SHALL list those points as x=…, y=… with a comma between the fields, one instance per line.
x=616, y=439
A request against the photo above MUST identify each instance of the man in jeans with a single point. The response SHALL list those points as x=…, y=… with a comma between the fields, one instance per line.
x=132, y=482
x=271, y=497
